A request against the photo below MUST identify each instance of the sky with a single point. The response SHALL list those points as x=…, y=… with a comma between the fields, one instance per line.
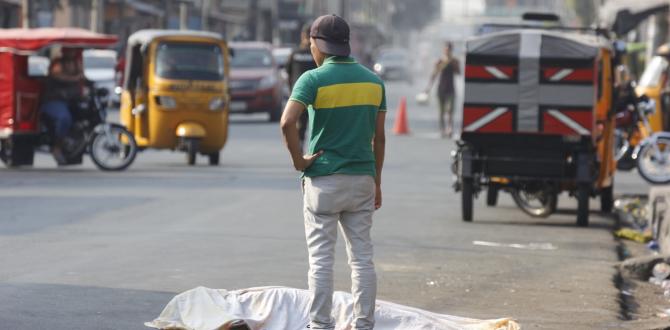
x=465, y=7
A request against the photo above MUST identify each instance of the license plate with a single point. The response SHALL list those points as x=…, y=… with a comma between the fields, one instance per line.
x=238, y=106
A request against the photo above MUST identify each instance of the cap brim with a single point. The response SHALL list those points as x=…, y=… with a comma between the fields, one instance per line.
x=332, y=48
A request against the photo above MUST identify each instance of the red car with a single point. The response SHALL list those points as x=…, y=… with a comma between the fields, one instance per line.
x=255, y=81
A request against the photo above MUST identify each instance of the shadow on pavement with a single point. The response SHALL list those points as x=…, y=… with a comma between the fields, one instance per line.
x=68, y=307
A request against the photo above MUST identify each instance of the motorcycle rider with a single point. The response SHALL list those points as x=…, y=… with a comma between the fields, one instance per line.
x=62, y=87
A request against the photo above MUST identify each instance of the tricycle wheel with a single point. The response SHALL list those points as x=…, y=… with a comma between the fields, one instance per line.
x=191, y=150
x=607, y=199
x=583, y=196
x=468, y=193
x=492, y=196
x=214, y=158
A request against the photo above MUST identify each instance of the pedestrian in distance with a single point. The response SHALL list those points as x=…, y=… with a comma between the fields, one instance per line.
x=342, y=169
x=299, y=62
x=447, y=67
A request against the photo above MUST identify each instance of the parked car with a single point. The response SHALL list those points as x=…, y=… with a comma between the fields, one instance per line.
x=393, y=64
x=255, y=80
x=281, y=55
x=99, y=67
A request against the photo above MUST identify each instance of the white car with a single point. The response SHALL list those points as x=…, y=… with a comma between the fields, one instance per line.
x=99, y=67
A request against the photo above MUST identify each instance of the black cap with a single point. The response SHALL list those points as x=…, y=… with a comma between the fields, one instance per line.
x=332, y=35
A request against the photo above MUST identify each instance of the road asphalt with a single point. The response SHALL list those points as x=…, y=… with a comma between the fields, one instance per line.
x=85, y=249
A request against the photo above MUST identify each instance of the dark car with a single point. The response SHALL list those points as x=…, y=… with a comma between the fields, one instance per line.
x=255, y=80
x=393, y=64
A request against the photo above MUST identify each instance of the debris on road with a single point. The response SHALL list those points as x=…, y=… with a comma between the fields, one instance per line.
x=641, y=268
x=633, y=235
x=633, y=211
x=529, y=246
x=280, y=308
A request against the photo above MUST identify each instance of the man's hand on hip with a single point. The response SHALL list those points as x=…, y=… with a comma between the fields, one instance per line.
x=306, y=161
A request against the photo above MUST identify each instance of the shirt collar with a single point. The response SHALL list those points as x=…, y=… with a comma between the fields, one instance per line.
x=339, y=60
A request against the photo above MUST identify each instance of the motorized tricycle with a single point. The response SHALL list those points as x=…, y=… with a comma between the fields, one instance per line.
x=23, y=129
x=175, y=93
x=537, y=120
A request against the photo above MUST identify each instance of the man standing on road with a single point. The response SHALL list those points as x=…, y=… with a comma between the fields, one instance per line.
x=446, y=67
x=299, y=62
x=342, y=170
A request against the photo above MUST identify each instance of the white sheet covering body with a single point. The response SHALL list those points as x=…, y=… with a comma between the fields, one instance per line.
x=281, y=308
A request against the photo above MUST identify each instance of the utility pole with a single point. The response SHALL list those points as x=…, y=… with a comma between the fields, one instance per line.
x=183, y=16
x=275, y=21
x=95, y=15
x=344, y=9
x=252, y=16
x=204, y=14
x=25, y=14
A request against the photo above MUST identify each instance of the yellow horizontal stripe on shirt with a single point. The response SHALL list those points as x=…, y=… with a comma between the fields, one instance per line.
x=348, y=95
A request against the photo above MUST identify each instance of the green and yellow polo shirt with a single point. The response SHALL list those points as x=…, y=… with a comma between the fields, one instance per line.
x=342, y=98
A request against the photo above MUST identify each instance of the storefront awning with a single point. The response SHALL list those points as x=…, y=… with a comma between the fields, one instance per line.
x=145, y=8
x=10, y=2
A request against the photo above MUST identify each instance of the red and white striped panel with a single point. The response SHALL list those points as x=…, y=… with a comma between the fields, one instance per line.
x=567, y=122
x=568, y=75
x=486, y=119
x=489, y=72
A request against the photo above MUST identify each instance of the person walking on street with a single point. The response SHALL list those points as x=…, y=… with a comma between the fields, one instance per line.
x=342, y=169
x=446, y=68
x=299, y=62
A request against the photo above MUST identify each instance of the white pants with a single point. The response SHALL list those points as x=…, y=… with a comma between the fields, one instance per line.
x=349, y=201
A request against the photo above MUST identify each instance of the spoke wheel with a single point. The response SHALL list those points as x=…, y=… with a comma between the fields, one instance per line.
x=113, y=148
x=653, y=161
x=539, y=204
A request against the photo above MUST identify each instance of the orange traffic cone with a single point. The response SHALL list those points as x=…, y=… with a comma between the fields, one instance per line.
x=400, y=126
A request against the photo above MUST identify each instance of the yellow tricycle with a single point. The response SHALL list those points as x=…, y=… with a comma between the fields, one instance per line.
x=175, y=93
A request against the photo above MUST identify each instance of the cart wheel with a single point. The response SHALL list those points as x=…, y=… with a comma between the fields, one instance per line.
x=583, y=196
x=468, y=193
x=191, y=150
x=607, y=199
x=492, y=196
x=214, y=158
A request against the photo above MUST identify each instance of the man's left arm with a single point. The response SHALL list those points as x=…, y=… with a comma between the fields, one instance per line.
x=379, y=149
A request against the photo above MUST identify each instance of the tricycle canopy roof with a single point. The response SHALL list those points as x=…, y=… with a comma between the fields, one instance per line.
x=145, y=37
x=35, y=39
x=553, y=44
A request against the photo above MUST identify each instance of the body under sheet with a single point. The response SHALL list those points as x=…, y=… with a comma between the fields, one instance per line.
x=281, y=308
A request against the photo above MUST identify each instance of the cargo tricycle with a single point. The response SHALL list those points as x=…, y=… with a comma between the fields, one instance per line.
x=537, y=120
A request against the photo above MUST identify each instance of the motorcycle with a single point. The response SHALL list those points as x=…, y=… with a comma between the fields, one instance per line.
x=110, y=146
x=651, y=153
